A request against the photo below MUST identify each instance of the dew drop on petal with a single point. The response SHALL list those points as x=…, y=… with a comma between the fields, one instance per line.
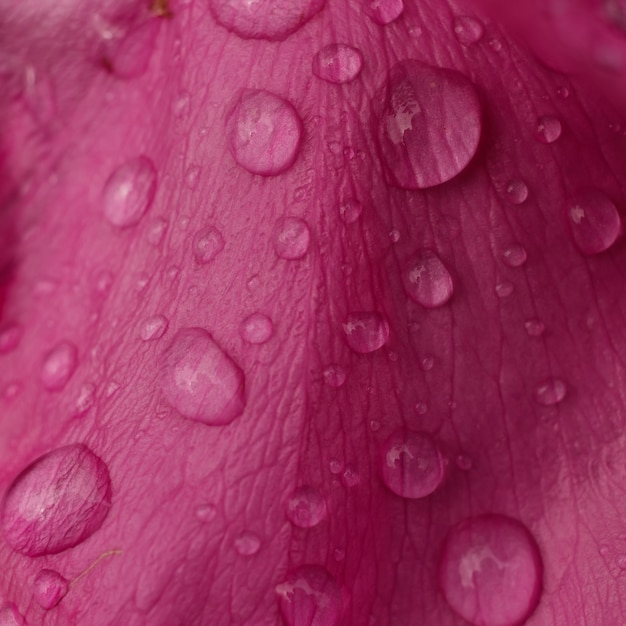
x=207, y=244
x=337, y=63
x=256, y=328
x=58, y=366
x=350, y=476
x=534, y=327
x=85, y=400
x=10, y=615
x=350, y=210
x=383, y=12
x=548, y=129
x=335, y=466
x=394, y=235
x=263, y=132
x=366, y=331
x=334, y=375
x=306, y=507
x=153, y=328
x=10, y=337
x=428, y=362
x=200, y=380
x=491, y=571
x=468, y=30
x=504, y=289
x=291, y=238
x=206, y=513
x=49, y=588
x=515, y=255
x=550, y=392
x=464, y=463
x=247, y=544
x=421, y=408
x=427, y=280
x=57, y=502
x=594, y=221
x=516, y=191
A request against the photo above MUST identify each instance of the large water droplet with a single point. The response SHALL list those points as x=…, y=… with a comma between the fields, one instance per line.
x=491, y=571
x=306, y=507
x=49, y=588
x=10, y=337
x=207, y=244
x=366, y=331
x=338, y=63
x=263, y=132
x=58, y=366
x=247, y=544
x=548, y=129
x=256, y=328
x=383, y=12
x=10, y=615
x=153, y=328
x=200, y=380
x=57, y=502
x=291, y=238
x=411, y=465
x=310, y=596
x=129, y=191
x=427, y=280
x=515, y=255
x=550, y=392
x=516, y=191
x=468, y=30
x=273, y=20
x=130, y=56
x=428, y=124
x=594, y=221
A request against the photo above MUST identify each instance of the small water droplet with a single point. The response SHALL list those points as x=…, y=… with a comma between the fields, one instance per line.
x=563, y=92
x=335, y=466
x=49, y=588
x=350, y=476
x=594, y=221
x=247, y=544
x=192, y=176
x=515, y=255
x=256, y=328
x=428, y=362
x=421, y=408
x=516, y=191
x=374, y=426
x=427, y=280
x=464, y=462
x=156, y=232
x=334, y=375
x=394, y=235
x=58, y=366
x=129, y=191
x=604, y=550
x=182, y=105
x=306, y=507
x=548, y=129
x=495, y=45
x=12, y=390
x=366, y=331
x=291, y=238
x=468, y=30
x=142, y=281
x=86, y=399
x=207, y=244
x=253, y=283
x=350, y=210
x=338, y=63
x=153, y=328
x=504, y=289
x=111, y=388
x=10, y=337
x=383, y=12
x=534, y=327
x=206, y=513
x=550, y=392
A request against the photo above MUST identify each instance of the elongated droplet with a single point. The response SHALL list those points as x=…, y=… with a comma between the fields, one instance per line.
x=534, y=327
x=428, y=124
x=550, y=392
x=310, y=596
x=153, y=328
x=338, y=63
x=200, y=380
x=207, y=244
x=383, y=12
x=491, y=571
x=49, y=588
x=291, y=238
x=263, y=132
x=57, y=502
x=594, y=221
x=256, y=328
x=467, y=29
x=130, y=56
x=58, y=366
x=334, y=375
x=427, y=280
x=129, y=191
x=306, y=507
x=366, y=331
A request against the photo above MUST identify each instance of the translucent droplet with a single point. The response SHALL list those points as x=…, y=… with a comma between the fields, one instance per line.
x=604, y=550
x=129, y=191
x=310, y=596
x=157, y=231
x=491, y=570
x=192, y=176
x=273, y=20
x=429, y=124
x=374, y=426
x=427, y=280
x=182, y=104
x=421, y=408
x=306, y=507
x=340, y=554
x=516, y=191
x=207, y=244
x=468, y=30
x=200, y=380
x=334, y=375
x=394, y=235
x=86, y=399
x=534, y=327
x=594, y=221
x=10, y=615
x=49, y=588
x=548, y=129
x=335, y=466
x=464, y=463
x=563, y=92
x=153, y=328
x=247, y=544
x=291, y=238
x=206, y=513
x=129, y=57
x=504, y=289
x=350, y=211
x=495, y=45
x=10, y=337
x=411, y=465
x=428, y=362
x=383, y=12
x=58, y=366
x=338, y=63
x=350, y=476
x=263, y=131
x=57, y=502
x=256, y=328
x=515, y=255
x=366, y=331
x=550, y=392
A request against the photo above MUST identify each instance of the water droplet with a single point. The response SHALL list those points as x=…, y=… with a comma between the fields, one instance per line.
x=10, y=337
x=50, y=588
x=350, y=210
x=306, y=507
x=394, y=235
x=256, y=328
x=338, y=63
x=550, y=392
x=491, y=570
x=207, y=244
x=263, y=131
x=429, y=124
x=548, y=129
x=334, y=375
x=310, y=596
x=468, y=30
x=516, y=191
x=10, y=615
x=153, y=328
x=504, y=289
x=274, y=20
x=383, y=12
x=200, y=380
x=206, y=513
x=421, y=408
x=495, y=45
x=534, y=328
x=192, y=176
x=129, y=191
x=335, y=466
x=86, y=399
x=247, y=544
x=411, y=465
x=515, y=255
x=604, y=550
x=374, y=426
x=350, y=476
x=464, y=463
x=428, y=362
x=366, y=331
x=291, y=238
x=427, y=280
x=58, y=366
x=57, y=502
x=129, y=57
x=594, y=221
x=181, y=107
x=156, y=232
x=12, y=390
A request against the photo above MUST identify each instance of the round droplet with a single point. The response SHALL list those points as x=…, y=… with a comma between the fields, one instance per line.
x=207, y=244
x=350, y=210
x=291, y=238
x=338, y=63
x=58, y=366
x=411, y=464
x=129, y=57
x=515, y=255
x=263, y=131
x=504, y=289
x=421, y=408
x=491, y=571
x=310, y=596
x=366, y=331
x=129, y=191
x=49, y=588
x=464, y=463
x=273, y=20
x=192, y=176
x=153, y=328
x=339, y=554
x=334, y=375
x=594, y=221
x=516, y=191
x=10, y=615
x=335, y=466
x=428, y=124
x=206, y=513
x=256, y=328
x=306, y=507
x=247, y=544
x=427, y=280
x=383, y=12
x=550, y=392
x=57, y=502
x=394, y=235
x=10, y=337
x=350, y=476
x=428, y=362
x=548, y=129
x=200, y=380
x=468, y=30
x=534, y=327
